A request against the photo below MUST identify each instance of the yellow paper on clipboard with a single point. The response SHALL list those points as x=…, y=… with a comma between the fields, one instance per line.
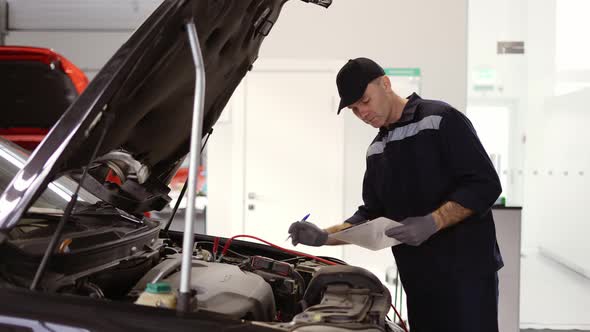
x=370, y=235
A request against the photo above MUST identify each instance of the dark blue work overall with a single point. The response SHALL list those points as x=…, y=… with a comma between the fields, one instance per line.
x=430, y=156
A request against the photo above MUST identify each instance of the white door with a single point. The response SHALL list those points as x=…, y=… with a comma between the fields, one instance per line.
x=294, y=152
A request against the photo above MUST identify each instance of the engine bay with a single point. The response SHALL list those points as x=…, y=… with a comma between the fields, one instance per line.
x=250, y=282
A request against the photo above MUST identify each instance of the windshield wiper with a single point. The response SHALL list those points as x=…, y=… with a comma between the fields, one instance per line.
x=34, y=211
x=105, y=209
x=91, y=208
x=69, y=208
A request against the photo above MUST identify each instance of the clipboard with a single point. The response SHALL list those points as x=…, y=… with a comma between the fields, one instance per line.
x=369, y=235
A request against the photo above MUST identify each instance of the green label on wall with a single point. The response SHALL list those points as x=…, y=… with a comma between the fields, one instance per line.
x=402, y=71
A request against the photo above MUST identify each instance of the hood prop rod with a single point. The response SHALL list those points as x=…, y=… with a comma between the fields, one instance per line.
x=185, y=294
x=183, y=190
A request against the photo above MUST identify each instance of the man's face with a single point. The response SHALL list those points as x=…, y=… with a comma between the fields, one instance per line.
x=373, y=108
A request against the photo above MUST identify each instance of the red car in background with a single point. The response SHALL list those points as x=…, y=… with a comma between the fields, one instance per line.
x=37, y=85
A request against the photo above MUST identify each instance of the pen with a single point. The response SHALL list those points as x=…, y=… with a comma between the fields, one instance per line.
x=302, y=219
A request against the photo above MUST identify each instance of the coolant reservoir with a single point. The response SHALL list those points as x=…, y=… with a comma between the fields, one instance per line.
x=158, y=295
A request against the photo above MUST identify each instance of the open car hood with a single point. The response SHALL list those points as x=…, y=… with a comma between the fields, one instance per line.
x=147, y=90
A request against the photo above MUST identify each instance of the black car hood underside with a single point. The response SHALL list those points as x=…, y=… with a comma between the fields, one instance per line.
x=147, y=88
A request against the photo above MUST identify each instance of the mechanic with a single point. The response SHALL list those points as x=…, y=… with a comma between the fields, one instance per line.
x=427, y=169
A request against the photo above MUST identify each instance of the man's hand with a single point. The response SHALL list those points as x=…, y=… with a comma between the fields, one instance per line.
x=415, y=230
x=307, y=233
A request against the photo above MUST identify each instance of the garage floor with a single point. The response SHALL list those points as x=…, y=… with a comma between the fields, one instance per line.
x=552, y=297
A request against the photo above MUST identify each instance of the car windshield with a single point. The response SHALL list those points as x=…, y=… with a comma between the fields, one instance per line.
x=58, y=193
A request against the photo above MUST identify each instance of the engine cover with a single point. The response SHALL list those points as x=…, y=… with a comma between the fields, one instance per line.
x=221, y=288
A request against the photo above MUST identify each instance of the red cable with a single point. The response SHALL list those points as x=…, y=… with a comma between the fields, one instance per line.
x=292, y=252
x=297, y=253
x=215, y=245
x=400, y=318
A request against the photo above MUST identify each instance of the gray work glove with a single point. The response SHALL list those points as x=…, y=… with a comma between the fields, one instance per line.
x=414, y=231
x=307, y=233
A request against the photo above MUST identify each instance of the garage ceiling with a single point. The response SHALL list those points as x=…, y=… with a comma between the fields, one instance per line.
x=76, y=15
x=87, y=32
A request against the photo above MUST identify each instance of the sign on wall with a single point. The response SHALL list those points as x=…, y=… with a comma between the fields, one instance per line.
x=404, y=81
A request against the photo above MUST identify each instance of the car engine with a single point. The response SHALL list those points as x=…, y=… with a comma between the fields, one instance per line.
x=221, y=288
x=298, y=296
x=280, y=291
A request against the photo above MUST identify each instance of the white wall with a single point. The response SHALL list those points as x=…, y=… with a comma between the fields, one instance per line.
x=540, y=80
x=558, y=194
x=518, y=83
x=225, y=172
x=490, y=22
x=548, y=89
x=428, y=34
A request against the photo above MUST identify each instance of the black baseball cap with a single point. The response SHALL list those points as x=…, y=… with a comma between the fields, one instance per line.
x=353, y=78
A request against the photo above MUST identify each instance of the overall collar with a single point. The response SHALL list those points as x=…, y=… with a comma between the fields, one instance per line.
x=408, y=113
